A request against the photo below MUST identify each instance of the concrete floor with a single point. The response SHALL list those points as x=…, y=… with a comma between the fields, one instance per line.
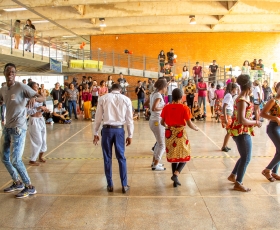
x=72, y=187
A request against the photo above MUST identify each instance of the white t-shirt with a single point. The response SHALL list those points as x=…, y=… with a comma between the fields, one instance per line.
x=172, y=85
x=185, y=75
x=256, y=91
x=229, y=101
x=211, y=93
x=155, y=115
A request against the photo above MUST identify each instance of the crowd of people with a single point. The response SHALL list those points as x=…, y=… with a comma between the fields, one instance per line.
x=239, y=106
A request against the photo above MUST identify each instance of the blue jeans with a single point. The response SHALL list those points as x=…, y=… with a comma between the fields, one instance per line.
x=140, y=101
x=273, y=131
x=3, y=108
x=116, y=137
x=72, y=105
x=244, y=146
x=200, y=101
x=13, y=139
x=170, y=98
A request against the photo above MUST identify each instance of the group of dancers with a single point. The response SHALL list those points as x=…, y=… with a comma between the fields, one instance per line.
x=168, y=123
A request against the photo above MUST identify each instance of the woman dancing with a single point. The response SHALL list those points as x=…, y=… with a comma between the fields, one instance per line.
x=37, y=130
x=271, y=111
x=228, y=102
x=156, y=106
x=241, y=131
x=175, y=116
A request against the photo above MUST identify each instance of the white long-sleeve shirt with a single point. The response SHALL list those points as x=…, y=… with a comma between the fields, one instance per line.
x=115, y=109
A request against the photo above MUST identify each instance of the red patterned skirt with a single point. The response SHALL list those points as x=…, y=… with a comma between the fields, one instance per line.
x=178, y=147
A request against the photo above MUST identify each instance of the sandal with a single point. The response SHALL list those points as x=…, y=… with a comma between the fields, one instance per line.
x=275, y=176
x=232, y=178
x=268, y=175
x=240, y=188
x=42, y=160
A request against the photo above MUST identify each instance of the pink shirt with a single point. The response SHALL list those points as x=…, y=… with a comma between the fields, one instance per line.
x=220, y=93
x=102, y=90
x=202, y=93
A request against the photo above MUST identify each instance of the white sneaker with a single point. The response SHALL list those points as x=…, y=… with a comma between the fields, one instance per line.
x=159, y=164
x=158, y=168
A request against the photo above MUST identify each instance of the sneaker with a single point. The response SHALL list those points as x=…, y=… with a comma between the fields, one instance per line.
x=224, y=149
x=159, y=164
x=158, y=168
x=26, y=192
x=14, y=187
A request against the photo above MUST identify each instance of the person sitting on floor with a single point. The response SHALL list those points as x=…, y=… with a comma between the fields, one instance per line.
x=60, y=115
x=135, y=115
x=196, y=112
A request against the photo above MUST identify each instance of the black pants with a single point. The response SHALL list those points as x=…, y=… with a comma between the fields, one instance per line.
x=178, y=167
x=190, y=101
x=94, y=101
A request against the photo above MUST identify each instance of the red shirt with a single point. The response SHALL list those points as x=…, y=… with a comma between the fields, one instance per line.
x=176, y=114
x=202, y=93
x=197, y=70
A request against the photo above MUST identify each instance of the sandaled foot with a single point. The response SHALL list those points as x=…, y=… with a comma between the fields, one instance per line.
x=275, y=176
x=42, y=160
x=232, y=178
x=240, y=188
x=33, y=163
x=267, y=174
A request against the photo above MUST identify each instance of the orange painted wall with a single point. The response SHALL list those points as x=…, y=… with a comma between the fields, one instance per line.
x=226, y=48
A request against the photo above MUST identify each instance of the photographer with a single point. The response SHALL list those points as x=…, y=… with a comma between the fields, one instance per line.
x=140, y=91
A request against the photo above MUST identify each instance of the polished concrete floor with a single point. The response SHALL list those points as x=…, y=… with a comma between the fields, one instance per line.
x=72, y=187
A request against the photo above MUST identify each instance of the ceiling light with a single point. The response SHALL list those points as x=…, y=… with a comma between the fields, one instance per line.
x=14, y=9
x=102, y=22
x=192, y=21
x=43, y=21
x=69, y=36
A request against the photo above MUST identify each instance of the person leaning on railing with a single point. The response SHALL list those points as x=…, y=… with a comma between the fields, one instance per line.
x=16, y=33
x=29, y=35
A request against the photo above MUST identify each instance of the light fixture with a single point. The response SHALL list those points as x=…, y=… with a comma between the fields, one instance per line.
x=43, y=21
x=192, y=21
x=14, y=9
x=69, y=36
x=102, y=22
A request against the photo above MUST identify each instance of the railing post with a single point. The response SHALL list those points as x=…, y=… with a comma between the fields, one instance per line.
x=144, y=65
x=42, y=47
x=83, y=52
x=68, y=58
x=128, y=64
x=23, y=41
x=12, y=33
x=49, y=48
x=113, y=61
x=98, y=59
x=33, y=41
x=55, y=49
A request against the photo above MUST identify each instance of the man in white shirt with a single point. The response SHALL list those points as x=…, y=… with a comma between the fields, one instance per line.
x=116, y=110
x=171, y=86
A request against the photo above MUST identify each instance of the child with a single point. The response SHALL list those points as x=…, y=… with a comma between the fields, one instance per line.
x=135, y=115
x=93, y=111
x=219, y=95
x=196, y=112
x=211, y=96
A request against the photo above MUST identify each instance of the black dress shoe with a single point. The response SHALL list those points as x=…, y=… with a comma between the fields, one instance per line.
x=175, y=179
x=110, y=189
x=125, y=188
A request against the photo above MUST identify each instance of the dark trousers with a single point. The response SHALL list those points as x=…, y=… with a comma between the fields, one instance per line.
x=178, y=167
x=140, y=101
x=94, y=100
x=3, y=108
x=72, y=105
x=116, y=137
x=190, y=101
x=273, y=131
x=244, y=146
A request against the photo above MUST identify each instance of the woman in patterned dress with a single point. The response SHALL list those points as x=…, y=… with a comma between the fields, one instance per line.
x=241, y=131
x=271, y=111
x=175, y=117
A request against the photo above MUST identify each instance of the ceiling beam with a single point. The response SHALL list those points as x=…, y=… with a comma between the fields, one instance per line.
x=80, y=9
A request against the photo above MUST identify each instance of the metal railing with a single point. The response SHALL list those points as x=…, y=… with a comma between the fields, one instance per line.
x=46, y=48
